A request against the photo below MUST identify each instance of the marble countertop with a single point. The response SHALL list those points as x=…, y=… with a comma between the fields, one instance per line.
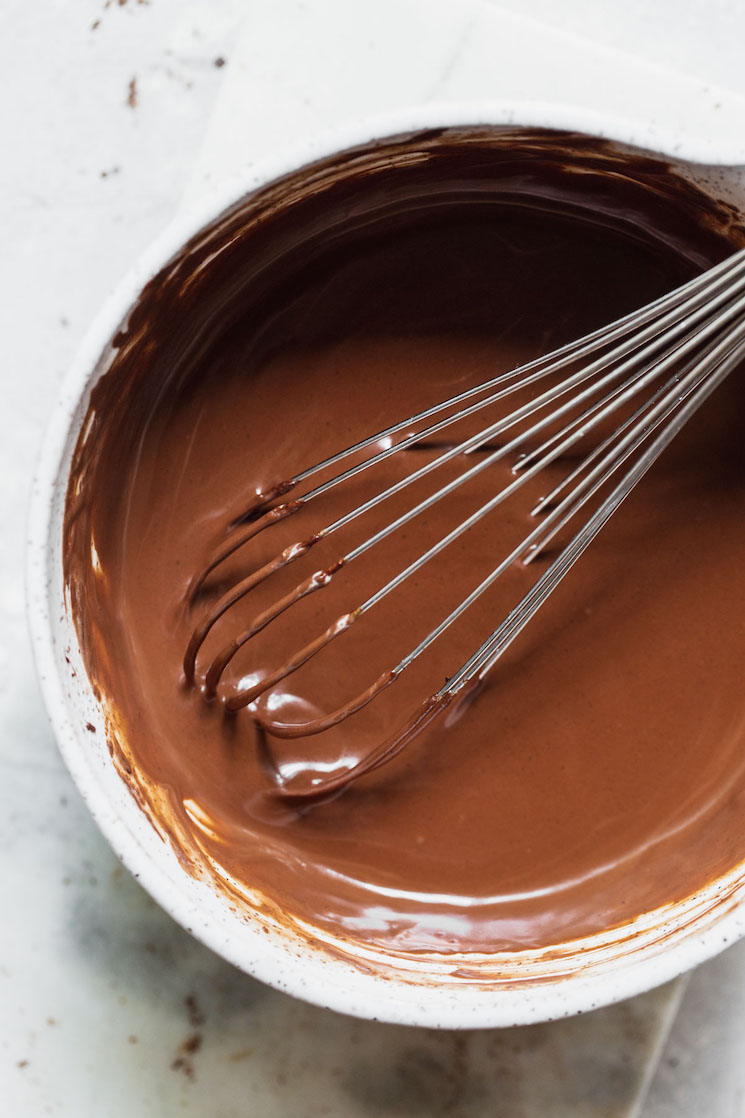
x=113, y=112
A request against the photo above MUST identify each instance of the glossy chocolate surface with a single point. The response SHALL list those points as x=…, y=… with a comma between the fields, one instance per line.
x=600, y=772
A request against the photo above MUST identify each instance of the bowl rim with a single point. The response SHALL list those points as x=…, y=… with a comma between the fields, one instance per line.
x=341, y=989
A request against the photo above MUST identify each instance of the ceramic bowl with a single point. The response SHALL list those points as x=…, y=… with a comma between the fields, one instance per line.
x=506, y=989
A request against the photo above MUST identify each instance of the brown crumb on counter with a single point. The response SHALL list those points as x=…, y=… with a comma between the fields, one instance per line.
x=183, y=1060
x=90, y=727
x=219, y=62
x=196, y=1017
x=132, y=98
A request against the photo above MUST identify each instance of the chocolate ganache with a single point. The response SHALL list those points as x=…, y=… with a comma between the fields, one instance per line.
x=599, y=773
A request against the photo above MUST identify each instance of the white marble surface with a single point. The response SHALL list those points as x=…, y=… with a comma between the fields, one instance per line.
x=106, y=1007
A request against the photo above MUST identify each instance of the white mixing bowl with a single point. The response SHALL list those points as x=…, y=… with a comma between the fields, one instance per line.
x=506, y=989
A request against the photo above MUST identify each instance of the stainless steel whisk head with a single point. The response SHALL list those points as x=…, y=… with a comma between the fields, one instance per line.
x=656, y=366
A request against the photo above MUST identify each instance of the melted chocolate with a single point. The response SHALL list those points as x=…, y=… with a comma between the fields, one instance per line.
x=599, y=773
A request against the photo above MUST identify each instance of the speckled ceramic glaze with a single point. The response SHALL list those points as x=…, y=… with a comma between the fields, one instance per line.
x=513, y=988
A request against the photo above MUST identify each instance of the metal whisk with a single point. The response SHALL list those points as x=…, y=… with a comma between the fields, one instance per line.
x=663, y=361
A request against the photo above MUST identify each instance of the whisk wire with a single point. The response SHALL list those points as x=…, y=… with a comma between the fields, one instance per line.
x=689, y=340
x=693, y=336
x=495, y=645
x=723, y=278
x=721, y=274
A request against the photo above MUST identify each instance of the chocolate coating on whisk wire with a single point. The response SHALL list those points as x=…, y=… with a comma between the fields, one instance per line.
x=598, y=770
x=238, y=539
x=704, y=318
